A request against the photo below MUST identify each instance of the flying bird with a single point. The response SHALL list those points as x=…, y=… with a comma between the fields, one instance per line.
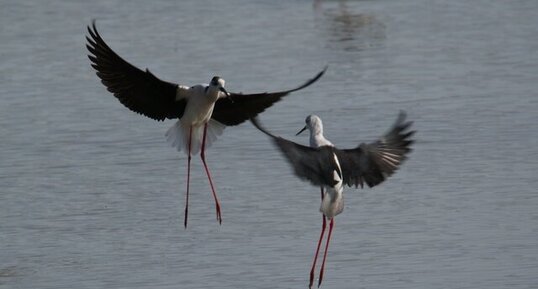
x=203, y=110
x=331, y=168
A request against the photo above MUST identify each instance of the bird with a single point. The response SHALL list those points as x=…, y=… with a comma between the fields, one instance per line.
x=332, y=168
x=202, y=111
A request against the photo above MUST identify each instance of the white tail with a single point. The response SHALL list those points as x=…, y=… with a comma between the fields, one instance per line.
x=178, y=136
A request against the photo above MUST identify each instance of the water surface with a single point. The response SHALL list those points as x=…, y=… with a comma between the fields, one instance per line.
x=91, y=196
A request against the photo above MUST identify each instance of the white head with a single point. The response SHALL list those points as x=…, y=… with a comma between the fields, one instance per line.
x=217, y=84
x=314, y=124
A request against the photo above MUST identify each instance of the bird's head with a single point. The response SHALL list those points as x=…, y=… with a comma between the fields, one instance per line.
x=313, y=123
x=218, y=83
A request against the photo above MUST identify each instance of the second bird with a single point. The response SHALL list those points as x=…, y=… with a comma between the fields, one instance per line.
x=330, y=168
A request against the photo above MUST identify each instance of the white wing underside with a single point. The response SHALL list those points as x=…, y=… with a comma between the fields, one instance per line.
x=178, y=136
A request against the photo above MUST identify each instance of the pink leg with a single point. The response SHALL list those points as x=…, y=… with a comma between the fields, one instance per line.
x=202, y=154
x=317, y=252
x=319, y=245
x=325, y=254
x=323, y=216
x=188, y=179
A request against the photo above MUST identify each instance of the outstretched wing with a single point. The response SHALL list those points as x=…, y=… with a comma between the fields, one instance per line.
x=240, y=107
x=314, y=164
x=140, y=91
x=373, y=163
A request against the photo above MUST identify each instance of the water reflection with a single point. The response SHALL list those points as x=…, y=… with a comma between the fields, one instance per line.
x=347, y=29
x=9, y=271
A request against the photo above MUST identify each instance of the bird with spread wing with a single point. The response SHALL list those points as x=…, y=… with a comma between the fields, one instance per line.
x=202, y=111
x=331, y=168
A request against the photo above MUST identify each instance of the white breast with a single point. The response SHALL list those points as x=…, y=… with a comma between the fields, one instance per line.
x=199, y=106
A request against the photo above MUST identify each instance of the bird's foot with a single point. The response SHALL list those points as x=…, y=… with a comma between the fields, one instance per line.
x=219, y=217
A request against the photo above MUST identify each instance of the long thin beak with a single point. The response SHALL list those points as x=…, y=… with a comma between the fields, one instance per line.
x=224, y=90
x=304, y=128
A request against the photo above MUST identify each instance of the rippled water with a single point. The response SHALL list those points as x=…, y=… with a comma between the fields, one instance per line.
x=92, y=197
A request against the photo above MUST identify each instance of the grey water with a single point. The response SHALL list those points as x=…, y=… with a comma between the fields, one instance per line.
x=91, y=195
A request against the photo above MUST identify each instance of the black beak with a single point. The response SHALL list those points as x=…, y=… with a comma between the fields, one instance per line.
x=304, y=128
x=224, y=90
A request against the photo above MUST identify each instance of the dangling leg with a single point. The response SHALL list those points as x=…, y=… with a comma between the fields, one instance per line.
x=319, y=245
x=323, y=216
x=188, y=178
x=202, y=154
x=325, y=254
x=317, y=252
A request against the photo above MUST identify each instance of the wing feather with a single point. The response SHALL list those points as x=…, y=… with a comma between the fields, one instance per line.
x=313, y=164
x=240, y=107
x=372, y=163
x=138, y=90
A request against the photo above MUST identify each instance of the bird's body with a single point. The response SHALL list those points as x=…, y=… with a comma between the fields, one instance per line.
x=198, y=112
x=332, y=202
x=199, y=109
x=330, y=168
x=203, y=111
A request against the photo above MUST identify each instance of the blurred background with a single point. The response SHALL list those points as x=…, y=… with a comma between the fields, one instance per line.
x=92, y=196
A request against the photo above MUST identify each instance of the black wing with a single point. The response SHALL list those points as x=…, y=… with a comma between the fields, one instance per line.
x=373, y=163
x=140, y=91
x=241, y=107
x=314, y=164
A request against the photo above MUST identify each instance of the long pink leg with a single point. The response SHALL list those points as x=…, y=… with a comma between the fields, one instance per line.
x=319, y=245
x=317, y=252
x=219, y=218
x=323, y=216
x=325, y=254
x=188, y=179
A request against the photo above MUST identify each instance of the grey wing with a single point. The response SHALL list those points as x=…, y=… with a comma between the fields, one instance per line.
x=314, y=164
x=372, y=163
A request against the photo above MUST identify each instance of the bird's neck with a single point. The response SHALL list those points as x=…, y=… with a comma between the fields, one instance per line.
x=212, y=93
x=316, y=129
x=317, y=139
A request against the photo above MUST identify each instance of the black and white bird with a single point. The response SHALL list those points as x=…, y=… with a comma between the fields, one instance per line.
x=203, y=110
x=331, y=168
